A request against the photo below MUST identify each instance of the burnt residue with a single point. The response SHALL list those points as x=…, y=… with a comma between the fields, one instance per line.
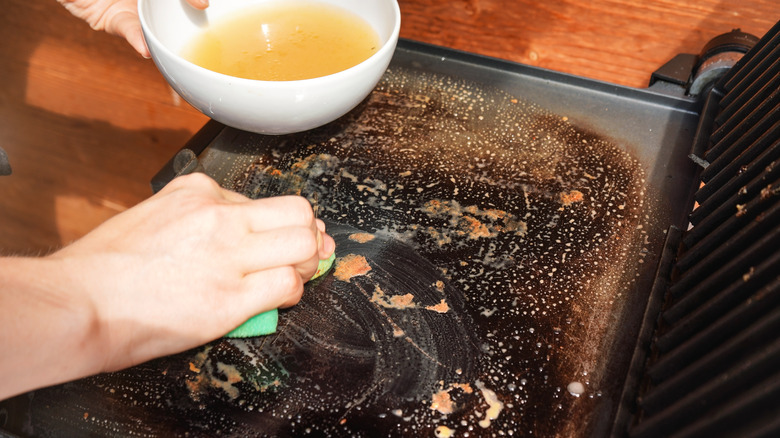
x=344, y=359
x=538, y=222
x=524, y=230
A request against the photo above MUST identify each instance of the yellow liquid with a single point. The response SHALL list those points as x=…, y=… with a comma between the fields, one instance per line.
x=284, y=41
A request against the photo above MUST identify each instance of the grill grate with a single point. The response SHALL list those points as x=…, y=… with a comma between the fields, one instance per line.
x=714, y=361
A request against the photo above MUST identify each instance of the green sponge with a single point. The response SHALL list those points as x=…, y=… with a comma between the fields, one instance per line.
x=265, y=323
x=258, y=325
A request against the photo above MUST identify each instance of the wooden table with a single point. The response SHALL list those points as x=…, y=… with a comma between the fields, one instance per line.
x=87, y=122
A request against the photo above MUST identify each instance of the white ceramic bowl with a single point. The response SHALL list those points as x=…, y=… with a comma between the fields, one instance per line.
x=267, y=107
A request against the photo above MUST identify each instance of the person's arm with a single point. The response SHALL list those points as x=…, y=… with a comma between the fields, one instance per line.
x=176, y=271
x=117, y=17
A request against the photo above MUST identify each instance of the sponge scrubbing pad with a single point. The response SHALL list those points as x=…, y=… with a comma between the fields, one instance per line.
x=265, y=323
x=258, y=325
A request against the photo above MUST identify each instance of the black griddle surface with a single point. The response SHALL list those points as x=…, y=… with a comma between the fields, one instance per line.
x=511, y=218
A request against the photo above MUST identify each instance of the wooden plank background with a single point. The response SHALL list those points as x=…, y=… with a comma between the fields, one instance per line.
x=87, y=122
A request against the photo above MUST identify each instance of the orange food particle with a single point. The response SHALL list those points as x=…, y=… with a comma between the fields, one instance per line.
x=435, y=207
x=402, y=301
x=465, y=387
x=399, y=302
x=349, y=266
x=442, y=402
x=442, y=307
x=475, y=229
x=568, y=198
x=361, y=237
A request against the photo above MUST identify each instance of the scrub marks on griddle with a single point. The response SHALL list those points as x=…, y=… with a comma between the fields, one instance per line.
x=359, y=343
x=536, y=221
x=352, y=265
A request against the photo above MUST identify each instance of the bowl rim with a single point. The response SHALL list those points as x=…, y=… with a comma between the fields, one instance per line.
x=388, y=45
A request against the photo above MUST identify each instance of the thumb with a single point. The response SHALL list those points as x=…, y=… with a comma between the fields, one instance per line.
x=125, y=24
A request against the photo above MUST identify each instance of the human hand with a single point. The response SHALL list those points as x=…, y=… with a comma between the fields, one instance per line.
x=117, y=17
x=190, y=264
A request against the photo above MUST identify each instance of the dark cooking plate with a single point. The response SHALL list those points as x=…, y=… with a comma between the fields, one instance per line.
x=497, y=229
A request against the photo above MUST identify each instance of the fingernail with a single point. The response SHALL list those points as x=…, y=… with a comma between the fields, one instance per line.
x=320, y=225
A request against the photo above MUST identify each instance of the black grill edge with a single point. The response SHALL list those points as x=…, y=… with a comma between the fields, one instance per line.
x=709, y=364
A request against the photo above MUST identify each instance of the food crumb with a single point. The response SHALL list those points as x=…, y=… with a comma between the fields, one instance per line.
x=349, y=266
x=746, y=276
x=475, y=229
x=361, y=237
x=576, y=388
x=465, y=387
x=443, y=432
x=442, y=402
x=767, y=192
x=442, y=307
x=568, y=198
x=399, y=302
x=495, y=406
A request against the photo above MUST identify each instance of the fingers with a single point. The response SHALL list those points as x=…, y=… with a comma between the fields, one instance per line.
x=269, y=232
x=285, y=211
x=199, y=4
x=270, y=289
x=279, y=211
x=326, y=245
x=261, y=214
x=195, y=180
x=286, y=246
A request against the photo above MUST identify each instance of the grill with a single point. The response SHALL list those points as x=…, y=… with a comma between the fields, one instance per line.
x=529, y=272
x=714, y=360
